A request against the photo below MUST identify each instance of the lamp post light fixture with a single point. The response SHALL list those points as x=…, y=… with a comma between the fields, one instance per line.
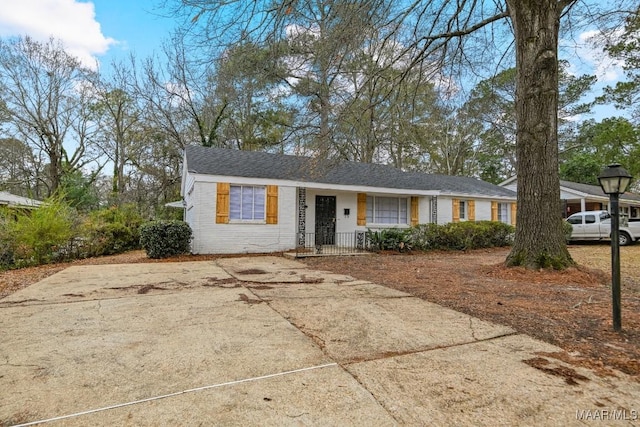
x=614, y=180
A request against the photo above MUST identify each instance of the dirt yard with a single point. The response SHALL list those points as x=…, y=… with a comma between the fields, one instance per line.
x=571, y=309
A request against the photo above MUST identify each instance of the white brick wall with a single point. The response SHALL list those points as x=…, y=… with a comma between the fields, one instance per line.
x=209, y=237
x=344, y=200
x=444, y=209
x=212, y=238
x=483, y=209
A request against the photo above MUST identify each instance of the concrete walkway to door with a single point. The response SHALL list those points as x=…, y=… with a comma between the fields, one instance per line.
x=267, y=341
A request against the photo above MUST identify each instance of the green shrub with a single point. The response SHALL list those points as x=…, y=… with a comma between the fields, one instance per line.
x=425, y=236
x=6, y=240
x=390, y=239
x=451, y=236
x=111, y=231
x=162, y=239
x=567, y=229
x=461, y=235
x=39, y=233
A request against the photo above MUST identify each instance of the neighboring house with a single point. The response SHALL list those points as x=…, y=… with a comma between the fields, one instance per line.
x=19, y=202
x=577, y=197
x=243, y=201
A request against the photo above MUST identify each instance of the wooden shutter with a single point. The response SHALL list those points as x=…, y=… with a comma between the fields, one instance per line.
x=222, y=203
x=494, y=211
x=272, y=204
x=414, y=210
x=513, y=214
x=471, y=205
x=362, y=209
x=455, y=210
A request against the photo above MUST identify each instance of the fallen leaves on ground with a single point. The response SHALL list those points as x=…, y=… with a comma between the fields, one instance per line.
x=570, y=308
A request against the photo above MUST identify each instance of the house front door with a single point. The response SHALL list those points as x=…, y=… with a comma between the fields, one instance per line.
x=325, y=220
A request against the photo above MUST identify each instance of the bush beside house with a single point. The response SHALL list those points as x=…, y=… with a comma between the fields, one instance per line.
x=451, y=236
x=111, y=231
x=162, y=239
x=56, y=232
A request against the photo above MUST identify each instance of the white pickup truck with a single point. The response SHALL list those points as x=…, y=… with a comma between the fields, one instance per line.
x=596, y=225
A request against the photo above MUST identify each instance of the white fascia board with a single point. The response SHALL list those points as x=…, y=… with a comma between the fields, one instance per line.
x=508, y=180
x=371, y=190
x=590, y=195
x=478, y=196
x=563, y=189
x=580, y=194
x=185, y=174
x=314, y=185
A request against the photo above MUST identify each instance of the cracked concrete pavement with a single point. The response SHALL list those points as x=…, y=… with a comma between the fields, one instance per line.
x=267, y=341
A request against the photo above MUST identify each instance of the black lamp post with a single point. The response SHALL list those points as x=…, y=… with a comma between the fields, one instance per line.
x=614, y=180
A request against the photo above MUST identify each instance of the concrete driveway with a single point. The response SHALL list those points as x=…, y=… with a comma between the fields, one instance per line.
x=266, y=341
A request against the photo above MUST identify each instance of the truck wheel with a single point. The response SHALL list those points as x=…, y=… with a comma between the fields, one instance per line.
x=624, y=239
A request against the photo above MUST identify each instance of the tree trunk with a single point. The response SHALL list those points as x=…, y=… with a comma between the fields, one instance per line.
x=539, y=240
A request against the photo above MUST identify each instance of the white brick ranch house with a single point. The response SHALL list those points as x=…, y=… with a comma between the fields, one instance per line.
x=256, y=202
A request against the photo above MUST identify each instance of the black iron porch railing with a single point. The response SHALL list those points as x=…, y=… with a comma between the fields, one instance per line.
x=313, y=244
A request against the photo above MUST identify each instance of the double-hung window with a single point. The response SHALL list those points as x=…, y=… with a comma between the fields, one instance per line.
x=386, y=210
x=503, y=215
x=462, y=209
x=247, y=203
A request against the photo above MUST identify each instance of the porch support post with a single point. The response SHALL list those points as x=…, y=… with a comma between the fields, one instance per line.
x=434, y=209
x=302, y=216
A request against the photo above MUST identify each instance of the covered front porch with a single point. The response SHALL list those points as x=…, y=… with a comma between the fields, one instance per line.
x=578, y=197
x=344, y=243
x=337, y=222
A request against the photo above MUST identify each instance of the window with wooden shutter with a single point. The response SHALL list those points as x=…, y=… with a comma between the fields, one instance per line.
x=414, y=211
x=272, y=204
x=362, y=209
x=503, y=212
x=222, y=203
x=455, y=203
x=494, y=211
x=471, y=216
x=513, y=214
x=246, y=203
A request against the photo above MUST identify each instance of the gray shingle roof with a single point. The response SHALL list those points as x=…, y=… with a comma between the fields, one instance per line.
x=253, y=164
x=596, y=190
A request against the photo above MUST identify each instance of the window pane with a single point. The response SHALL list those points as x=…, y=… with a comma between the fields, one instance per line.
x=502, y=212
x=403, y=211
x=258, y=203
x=247, y=203
x=386, y=211
x=235, y=202
x=462, y=209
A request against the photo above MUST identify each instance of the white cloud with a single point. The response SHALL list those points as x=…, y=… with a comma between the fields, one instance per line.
x=72, y=22
x=588, y=57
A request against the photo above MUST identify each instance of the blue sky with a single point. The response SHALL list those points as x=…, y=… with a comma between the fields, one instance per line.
x=92, y=30
x=136, y=26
